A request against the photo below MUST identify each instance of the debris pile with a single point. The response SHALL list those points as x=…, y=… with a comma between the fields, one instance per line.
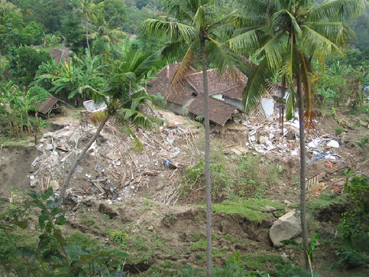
x=266, y=135
x=110, y=170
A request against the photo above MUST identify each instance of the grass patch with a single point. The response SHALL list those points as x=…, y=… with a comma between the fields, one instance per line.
x=252, y=209
x=12, y=142
x=326, y=199
x=81, y=239
x=261, y=261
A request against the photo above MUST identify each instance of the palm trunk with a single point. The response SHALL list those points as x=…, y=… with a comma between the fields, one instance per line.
x=21, y=125
x=283, y=105
x=79, y=158
x=207, y=160
x=28, y=124
x=36, y=129
x=87, y=42
x=15, y=124
x=305, y=239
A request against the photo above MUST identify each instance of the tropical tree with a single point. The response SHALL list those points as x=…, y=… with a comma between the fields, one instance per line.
x=89, y=11
x=74, y=79
x=287, y=35
x=123, y=95
x=106, y=37
x=195, y=24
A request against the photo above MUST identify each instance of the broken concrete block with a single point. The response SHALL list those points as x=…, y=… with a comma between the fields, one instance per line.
x=55, y=185
x=286, y=227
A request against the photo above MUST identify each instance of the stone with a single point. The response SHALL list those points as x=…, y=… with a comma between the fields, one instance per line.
x=79, y=169
x=270, y=209
x=262, y=139
x=286, y=227
x=55, y=185
x=108, y=210
x=49, y=147
x=32, y=182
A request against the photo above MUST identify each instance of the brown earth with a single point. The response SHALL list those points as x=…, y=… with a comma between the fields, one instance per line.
x=146, y=194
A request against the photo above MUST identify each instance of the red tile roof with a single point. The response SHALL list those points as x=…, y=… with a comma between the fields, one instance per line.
x=228, y=85
x=219, y=112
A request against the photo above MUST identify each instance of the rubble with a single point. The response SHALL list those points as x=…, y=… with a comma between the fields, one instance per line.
x=111, y=171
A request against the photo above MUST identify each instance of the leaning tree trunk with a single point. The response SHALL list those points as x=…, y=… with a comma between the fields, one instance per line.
x=305, y=239
x=207, y=160
x=79, y=158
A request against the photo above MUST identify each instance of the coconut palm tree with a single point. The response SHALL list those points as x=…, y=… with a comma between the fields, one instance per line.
x=287, y=35
x=125, y=93
x=189, y=26
x=89, y=11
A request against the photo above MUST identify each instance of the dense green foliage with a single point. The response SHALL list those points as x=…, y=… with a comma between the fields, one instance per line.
x=354, y=250
x=51, y=254
x=112, y=57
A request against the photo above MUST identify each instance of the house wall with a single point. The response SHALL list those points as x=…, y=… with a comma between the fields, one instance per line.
x=175, y=108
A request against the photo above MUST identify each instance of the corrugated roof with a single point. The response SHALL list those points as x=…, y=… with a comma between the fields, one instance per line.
x=219, y=112
x=45, y=106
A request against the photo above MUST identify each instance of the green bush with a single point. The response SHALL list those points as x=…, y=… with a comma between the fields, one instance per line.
x=45, y=251
x=354, y=247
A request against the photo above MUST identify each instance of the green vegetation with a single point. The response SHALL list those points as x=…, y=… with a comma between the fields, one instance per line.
x=114, y=57
x=45, y=251
x=245, y=176
x=325, y=200
x=252, y=209
x=354, y=250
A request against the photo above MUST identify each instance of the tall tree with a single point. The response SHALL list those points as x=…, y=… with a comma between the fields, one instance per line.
x=195, y=24
x=89, y=11
x=287, y=35
x=126, y=93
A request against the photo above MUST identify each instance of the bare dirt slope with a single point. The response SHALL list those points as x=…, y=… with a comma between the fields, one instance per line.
x=121, y=185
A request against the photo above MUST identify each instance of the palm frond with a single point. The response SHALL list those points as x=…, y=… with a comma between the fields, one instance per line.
x=182, y=71
x=222, y=58
x=337, y=10
x=315, y=44
x=147, y=63
x=256, y=86
x=169, y=27
x=246, y=42
x=305, y=72
x=287, y=68
x=274, y=50
x=291, y=101
x=337, y=32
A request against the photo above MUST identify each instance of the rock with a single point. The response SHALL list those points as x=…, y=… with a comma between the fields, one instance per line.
x=33, y=182
x=55, y=185
x=262, y=139
x=269, y=209
x=108, y=210
x=49, y=147
x=286, y=227
x=79, y=169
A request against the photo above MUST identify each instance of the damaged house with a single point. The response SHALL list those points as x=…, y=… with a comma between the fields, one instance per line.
x=225, y=93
